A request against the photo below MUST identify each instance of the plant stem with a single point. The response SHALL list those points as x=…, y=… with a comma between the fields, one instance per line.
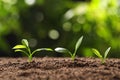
x=73, y=57
x=30, y=54
x=103, y=61
x=30, y=58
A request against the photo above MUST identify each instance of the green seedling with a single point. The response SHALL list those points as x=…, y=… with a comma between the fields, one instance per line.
x=103, y=58
x=66, y=51
x=24, y=48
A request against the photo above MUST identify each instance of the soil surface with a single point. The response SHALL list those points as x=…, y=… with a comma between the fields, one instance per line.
x=59, y=69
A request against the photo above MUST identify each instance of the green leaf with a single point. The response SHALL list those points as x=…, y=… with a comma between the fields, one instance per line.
x=106, y=52
x=25, y=42
x=78, y=43
x=46, y=49
x=97, y=53
x=18, y=50
x=19, y=46
x=63, y=50
x=41, y=49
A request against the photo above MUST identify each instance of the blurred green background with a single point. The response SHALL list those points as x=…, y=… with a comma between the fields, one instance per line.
x=59, y=23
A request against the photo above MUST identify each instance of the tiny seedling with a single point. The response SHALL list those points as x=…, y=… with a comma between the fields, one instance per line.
x=103, y=58
x=66, y=51
x=24, y=48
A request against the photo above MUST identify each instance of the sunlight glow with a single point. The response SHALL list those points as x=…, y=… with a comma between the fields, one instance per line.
x=69, y=14
x=11, y=2
x=30, y=2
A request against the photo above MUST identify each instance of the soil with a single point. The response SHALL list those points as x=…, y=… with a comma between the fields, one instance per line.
x=59, y=69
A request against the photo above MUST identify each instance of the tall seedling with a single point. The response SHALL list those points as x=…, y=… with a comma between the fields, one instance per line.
x=66, y=51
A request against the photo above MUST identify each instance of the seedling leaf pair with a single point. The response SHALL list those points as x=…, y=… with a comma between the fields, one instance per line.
x=64, y=50
x=96, y=52
x=24, y=48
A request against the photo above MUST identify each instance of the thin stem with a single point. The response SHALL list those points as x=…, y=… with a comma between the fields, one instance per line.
x=30, y=58
x=23, y=52
x=29, y=51
x=35, y=52
x=73, y=56
x=30, y=54
x=103, y=60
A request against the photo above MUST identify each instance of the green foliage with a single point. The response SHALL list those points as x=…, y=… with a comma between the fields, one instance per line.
x=99, y=20
x=66, y=51
x=24, y=48
x=96, y=52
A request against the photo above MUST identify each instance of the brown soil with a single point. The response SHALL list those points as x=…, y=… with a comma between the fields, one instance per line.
x=59, y=69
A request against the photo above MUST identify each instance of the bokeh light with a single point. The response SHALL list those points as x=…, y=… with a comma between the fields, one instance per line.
x=67, y=26
x=30, y=2
x=53, y=34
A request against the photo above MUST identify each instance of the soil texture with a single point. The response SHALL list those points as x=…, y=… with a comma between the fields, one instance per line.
x=59, y=69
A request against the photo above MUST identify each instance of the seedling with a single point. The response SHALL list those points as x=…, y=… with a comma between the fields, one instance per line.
x=24, y=48
x=103, y=58
x=66, y=51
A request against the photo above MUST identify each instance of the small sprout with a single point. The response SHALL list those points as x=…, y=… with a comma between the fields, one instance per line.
x=103, y=58
x=64, y=50
x=24, y=48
